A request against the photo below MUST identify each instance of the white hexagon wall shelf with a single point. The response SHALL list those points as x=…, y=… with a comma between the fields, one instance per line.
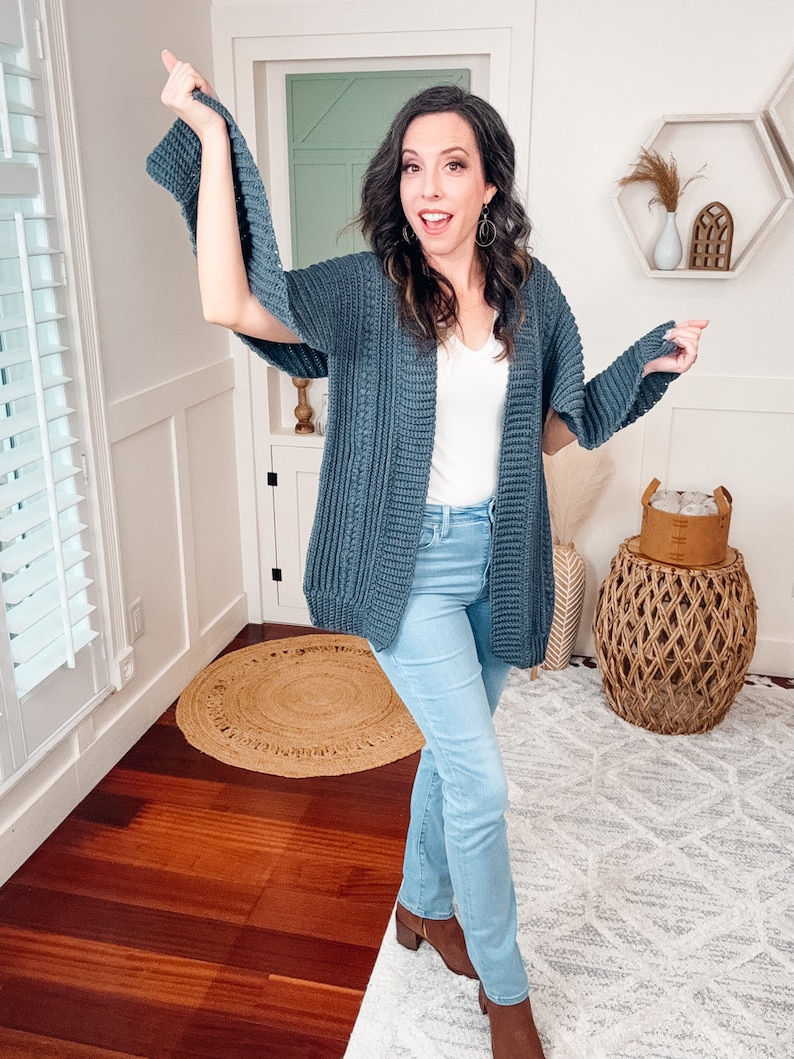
x=742, y=171
x=781, y=116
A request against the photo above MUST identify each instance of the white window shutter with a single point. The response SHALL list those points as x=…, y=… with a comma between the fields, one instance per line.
x=52, y=611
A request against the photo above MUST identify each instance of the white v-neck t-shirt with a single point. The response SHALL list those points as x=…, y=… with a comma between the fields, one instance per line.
x=470, y=400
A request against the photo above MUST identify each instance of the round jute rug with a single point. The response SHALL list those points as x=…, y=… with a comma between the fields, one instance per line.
x=315, y=705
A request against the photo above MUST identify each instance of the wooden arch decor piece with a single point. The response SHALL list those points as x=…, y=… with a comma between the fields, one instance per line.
x=712, y=238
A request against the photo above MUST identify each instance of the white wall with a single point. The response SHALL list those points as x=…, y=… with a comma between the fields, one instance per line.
x=604, y=74
x=168, y=375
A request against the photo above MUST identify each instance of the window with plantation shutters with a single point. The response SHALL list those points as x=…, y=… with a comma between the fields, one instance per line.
x=48, y=618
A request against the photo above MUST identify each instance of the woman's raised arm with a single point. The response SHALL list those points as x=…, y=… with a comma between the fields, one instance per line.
x=226, y=297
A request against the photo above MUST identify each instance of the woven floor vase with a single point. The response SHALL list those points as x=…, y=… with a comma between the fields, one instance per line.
x=674, y=644
x=569, y=585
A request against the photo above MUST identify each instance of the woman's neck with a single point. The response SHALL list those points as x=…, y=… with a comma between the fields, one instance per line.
x=475, y=316
x=465, y=274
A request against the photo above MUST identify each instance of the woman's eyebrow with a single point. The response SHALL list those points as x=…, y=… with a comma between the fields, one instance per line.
x=447, y=150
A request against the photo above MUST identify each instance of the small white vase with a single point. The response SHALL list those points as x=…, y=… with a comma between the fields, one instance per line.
x=668, y=250
x=322, y=419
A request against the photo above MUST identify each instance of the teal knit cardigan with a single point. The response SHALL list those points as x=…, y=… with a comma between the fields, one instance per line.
x=381, y=421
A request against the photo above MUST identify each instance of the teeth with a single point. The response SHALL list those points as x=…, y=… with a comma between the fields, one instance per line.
x=431, y=217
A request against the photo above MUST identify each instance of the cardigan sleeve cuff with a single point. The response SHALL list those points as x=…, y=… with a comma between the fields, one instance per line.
x=298, y=360
x=620, y=394
x=175, y=163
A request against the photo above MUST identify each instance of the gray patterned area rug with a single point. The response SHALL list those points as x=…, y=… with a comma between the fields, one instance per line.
x=655, y=879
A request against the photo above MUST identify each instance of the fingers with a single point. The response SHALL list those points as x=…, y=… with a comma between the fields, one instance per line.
x=686, y=336
x=687, y=329
x=169, y=59
x=177, y=95
x=182, y=79
x=674, y=363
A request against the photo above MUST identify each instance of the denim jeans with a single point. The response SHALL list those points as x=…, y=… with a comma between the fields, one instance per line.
x=442, y=667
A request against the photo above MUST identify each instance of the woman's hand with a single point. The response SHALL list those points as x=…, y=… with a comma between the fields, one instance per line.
x=687, y=337
x=177, y=95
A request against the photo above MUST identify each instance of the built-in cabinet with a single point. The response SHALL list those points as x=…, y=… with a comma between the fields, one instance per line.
x=287, y=473
x=295, y=476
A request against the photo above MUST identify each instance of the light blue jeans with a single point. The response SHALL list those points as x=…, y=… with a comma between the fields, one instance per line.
x=442, y=667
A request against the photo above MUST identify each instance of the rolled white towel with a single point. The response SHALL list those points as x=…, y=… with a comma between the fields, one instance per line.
x=666, y=500
x=687, y=503
x=694, y=509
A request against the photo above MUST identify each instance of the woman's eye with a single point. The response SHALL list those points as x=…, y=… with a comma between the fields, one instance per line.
x=454, y=166
x=410, y=167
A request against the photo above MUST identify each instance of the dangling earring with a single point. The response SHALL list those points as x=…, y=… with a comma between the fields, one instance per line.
x=409, y=235
x=486, y=230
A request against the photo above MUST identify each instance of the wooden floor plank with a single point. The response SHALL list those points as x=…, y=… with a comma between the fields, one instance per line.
x=15, y=1044
x=56, y=872
x=96, y=1019
x=189, y=909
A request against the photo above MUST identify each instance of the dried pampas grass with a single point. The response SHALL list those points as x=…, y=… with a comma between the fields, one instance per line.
x=663, y=174
x=575, y=477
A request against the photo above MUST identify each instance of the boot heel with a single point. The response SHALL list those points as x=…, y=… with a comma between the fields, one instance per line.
x=407, y=937
x=483, y=999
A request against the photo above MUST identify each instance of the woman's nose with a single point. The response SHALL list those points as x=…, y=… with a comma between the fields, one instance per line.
x=431, y=189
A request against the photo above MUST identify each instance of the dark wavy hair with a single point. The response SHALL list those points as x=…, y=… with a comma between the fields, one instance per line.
x=426, y=301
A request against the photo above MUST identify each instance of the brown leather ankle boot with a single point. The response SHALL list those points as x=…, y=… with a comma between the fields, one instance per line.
x=513, y=1032
x=443, y=935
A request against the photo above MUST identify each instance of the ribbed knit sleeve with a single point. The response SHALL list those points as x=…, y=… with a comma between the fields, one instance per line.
x=175, y=164
x=612, y=399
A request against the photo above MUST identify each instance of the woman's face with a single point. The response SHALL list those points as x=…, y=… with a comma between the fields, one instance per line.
x=442, y=186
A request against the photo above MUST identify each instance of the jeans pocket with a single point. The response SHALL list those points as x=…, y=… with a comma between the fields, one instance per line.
x=428, y=536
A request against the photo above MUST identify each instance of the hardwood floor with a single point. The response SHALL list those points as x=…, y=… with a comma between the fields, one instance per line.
x=190, y=910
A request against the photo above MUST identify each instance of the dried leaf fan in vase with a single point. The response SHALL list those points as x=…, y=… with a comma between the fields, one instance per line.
x=574, y=480
x=663, y=176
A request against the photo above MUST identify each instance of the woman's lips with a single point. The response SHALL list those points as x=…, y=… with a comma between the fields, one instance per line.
x=434, y=221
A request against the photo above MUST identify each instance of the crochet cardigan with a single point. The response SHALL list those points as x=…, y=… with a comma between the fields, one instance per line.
x=379, y=439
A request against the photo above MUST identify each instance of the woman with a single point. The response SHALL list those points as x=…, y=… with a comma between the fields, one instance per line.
x=452, y=360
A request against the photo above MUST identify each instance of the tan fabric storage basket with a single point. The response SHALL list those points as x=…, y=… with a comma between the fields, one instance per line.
x=685, y=540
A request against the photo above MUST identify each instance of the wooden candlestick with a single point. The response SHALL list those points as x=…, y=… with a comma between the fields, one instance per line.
x=303, y=410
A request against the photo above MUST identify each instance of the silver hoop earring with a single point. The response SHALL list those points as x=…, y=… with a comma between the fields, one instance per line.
x=486, y=230
x=409, y=235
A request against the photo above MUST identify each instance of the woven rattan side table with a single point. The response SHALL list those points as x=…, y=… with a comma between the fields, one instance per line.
x=674, y=644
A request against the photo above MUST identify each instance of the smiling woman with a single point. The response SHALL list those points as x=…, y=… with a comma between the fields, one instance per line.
x=452, y=358
x=455, y=160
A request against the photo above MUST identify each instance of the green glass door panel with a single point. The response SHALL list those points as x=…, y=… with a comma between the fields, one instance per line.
x=323, y=215
x=335, y=121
